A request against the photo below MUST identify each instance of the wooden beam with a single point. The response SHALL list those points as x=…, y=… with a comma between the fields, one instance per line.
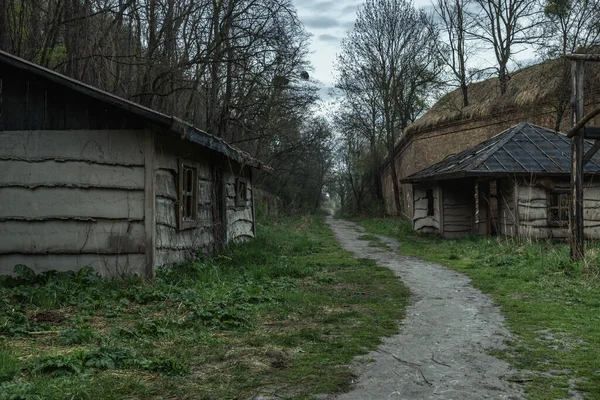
x=581, y=123
x=149, y=204
x=590, y=153
x=583, y=57
x=577, y=149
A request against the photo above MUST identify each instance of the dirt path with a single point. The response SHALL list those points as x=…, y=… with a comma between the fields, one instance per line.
x=441, y=350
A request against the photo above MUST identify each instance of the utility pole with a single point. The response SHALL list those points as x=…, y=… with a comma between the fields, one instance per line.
x=579, y=133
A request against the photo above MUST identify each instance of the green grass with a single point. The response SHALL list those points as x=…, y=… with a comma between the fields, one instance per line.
x=285, y=313
x=551, y=304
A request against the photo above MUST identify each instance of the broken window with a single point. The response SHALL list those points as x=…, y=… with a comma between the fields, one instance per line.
x=429, y=196
x=241, y=192
x=188, y=195
x=559, y=202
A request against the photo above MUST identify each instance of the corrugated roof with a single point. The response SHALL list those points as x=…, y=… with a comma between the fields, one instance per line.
x=186, y=130
x=523, y=149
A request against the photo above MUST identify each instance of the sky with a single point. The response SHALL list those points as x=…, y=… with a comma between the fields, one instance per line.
x=328, y=21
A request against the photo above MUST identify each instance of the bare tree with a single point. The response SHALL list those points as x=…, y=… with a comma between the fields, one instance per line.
x=506, y=25
x=570, y=25
x=453, y=23
x=236, y=68
x=388, y=61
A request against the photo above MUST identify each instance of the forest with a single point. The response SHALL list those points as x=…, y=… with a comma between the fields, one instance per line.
x=240, y=70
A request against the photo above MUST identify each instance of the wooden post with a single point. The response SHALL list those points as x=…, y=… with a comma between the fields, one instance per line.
x=149, y=204
x=476, y=224
x=577, y=150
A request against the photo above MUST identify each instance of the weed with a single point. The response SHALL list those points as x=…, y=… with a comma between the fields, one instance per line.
x=289, y=309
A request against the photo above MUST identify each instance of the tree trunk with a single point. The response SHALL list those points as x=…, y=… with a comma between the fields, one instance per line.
x=396, y=186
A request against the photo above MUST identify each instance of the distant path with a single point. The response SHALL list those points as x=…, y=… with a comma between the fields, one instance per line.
x=440, y=352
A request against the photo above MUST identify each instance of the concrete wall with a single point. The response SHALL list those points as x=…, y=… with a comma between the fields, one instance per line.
x=71, y=199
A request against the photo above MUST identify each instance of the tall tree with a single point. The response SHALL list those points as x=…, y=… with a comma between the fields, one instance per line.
x=453, y=23
x=570, y=25
x=505, y=26
x=388, y=62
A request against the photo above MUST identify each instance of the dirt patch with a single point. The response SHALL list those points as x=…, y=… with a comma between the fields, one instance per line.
x=47, y=317
x=442, y=350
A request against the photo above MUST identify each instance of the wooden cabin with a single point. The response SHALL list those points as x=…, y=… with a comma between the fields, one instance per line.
x=90, y=179
x=514, y=184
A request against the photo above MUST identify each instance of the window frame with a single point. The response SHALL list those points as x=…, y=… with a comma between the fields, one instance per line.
x=430, y=202
x=241, y=195
x=183, y=221
x=560, y=208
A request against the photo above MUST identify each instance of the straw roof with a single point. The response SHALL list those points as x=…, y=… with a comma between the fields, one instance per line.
x=537, y=86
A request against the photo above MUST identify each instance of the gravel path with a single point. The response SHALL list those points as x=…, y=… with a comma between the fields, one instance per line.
x=441, y=350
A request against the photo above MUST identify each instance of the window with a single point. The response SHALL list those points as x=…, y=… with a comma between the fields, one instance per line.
x=429, y=196
x=241, y=192
x=188, y=196
x=558, y=207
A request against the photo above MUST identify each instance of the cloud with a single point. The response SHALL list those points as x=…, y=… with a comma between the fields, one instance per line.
x=320, y=22
x=328, y=38
x=350, y=9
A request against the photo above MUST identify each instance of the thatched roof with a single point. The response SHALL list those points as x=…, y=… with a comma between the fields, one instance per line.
x=536, y=86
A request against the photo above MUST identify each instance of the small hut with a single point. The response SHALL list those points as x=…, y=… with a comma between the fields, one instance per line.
x=538, y=94
x=516, y=183
x=90, y=179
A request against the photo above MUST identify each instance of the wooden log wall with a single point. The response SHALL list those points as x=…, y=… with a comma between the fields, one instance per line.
x=72, y=199
x=421, y=221
x=240, y=218
x=172, y=244
x=459, y=206
x=533, y=209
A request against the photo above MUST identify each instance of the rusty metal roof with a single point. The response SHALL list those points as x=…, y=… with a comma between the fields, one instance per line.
x=173, y=124
x=524, y=149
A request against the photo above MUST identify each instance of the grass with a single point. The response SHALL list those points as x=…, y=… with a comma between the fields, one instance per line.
x=551, y=304
x=285, y=314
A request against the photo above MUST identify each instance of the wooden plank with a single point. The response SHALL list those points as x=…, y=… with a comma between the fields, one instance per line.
x=65, y=202
x=577, y=149
x=149, y=205
x=58, y=237
x=166, y=213
x=240, y=228
x=189, y=239
x=112, y=147
x=166, y=184
x=106, y=265
x=244, y=214
x=70, y=174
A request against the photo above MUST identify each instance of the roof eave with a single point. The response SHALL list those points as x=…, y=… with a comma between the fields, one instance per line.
x=491, y=174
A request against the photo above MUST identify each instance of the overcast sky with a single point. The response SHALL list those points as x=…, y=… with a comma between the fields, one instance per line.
x=328, y=21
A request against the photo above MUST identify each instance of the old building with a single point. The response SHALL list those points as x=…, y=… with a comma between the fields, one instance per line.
x=90, y=179
x=538, y=94
x=516, y=183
